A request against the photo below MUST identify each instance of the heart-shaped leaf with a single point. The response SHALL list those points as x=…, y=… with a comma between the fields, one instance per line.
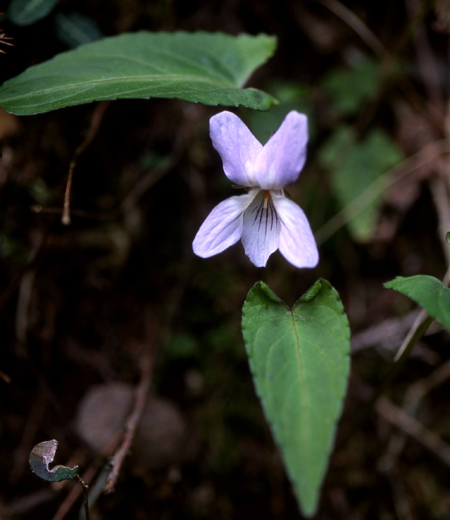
x=201, y=67
x=299, y=358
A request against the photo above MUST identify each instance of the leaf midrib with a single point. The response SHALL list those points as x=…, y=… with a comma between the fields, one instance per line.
x=171, y=77
x=301, y=380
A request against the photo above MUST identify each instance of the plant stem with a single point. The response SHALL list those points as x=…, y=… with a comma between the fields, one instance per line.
x=85, y=497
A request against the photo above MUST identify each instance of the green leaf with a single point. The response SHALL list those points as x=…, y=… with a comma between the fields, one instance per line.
x=75, y=29
x=201, y=67
x=350, y=88
x=355, y=167
x=429, y=292
x=26, y=12
x=300, y=364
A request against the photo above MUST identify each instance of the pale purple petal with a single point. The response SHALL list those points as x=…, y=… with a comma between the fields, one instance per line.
x=261, y=231
x=223, y=226
x=237, y=146
x=297, y=242
x=281, y=160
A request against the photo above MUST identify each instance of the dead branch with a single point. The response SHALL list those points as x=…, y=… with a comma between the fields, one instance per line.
x=414, y=429
x=132, y=422
x=96, y=120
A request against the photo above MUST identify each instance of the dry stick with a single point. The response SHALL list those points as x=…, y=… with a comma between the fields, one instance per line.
x=423, y=321
x=150, y=178
x=439, y=190
x=22, y=452
x=74, y=494
x=366, y=34
x=96, y=119
x=421, y=324
x=360, y=28
x=49, y=210
x=387, y=62
x=414, y=395
x=6, y=378
x=418, y=329
x=88, y=477
x=387, y=70
x=414, y=428
x=426, y=60
x=23, y=307
x=400, y=497
x=3, y=38
x=132, y=422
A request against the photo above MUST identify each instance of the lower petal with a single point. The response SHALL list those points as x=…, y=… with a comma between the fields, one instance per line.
x=297, y=242
x=223, y=226
x=261, y=230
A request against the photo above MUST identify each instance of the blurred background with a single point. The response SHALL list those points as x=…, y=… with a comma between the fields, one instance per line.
x=93, y=312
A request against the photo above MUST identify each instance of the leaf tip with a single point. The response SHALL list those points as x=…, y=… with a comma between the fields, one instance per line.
x=392, y=283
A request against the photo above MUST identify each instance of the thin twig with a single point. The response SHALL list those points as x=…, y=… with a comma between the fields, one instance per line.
x=132, y=422
x=6, y=378
x=23, y=307
x=387, y=66
x=85, y=497
x=22, y=452
x=414, y=429
x=3, y=40
x=88, y=477
x=360, y=28
x=420, y=325
x=96, y=119
x=149, y=178
x=399, y=495
x=439, y=190
x=413, y=397
x=418, y=329
x=56, y=210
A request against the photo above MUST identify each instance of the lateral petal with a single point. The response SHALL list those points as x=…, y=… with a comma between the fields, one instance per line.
x=297, y=242
x=237, y=147
x=223, y=226
x=281, y=160
x=261, y=231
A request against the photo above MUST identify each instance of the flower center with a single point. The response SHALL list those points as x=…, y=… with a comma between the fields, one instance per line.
x=261, y=215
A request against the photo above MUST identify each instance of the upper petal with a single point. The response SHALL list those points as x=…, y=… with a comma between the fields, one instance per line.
x=223, y=226
x=261, y=231
x=282, y=158
x=237, y=146
x=297, y=242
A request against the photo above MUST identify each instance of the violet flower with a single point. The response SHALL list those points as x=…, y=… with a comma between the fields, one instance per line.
x=263, y=218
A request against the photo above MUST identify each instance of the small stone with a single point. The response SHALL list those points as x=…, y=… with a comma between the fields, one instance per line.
x=161, y=439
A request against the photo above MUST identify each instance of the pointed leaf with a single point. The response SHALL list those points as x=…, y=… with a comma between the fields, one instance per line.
x=429, y=292
x=355, y=167
x=300, y=364
x=350, y=87
x=26, y=12
x=75, y=29
x=201, y=67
